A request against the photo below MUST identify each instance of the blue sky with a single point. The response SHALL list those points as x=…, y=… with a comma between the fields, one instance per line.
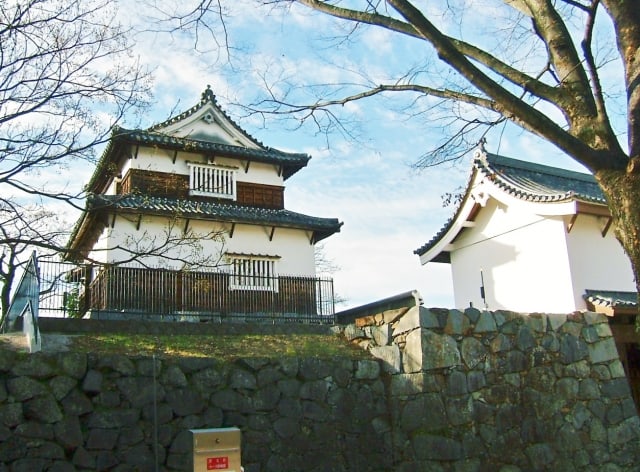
x=388, y=209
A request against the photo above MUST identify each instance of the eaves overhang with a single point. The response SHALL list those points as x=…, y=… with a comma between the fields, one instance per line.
x=612, y=303
x=94, y=217
x=268, y=155
x=150, y=205
x=539, y=189
x=84, y=234
x=121, y=138
x=438, y=248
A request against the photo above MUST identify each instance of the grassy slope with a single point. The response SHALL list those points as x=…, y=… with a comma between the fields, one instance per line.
x=224, y=347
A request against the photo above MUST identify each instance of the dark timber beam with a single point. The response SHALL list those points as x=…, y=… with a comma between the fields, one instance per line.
x=607, y=226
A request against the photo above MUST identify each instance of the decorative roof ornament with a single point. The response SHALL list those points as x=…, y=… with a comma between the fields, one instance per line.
x=208, y=118
x=208, y=95
x=480, y=151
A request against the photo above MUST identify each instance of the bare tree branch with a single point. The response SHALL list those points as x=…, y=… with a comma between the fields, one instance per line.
x=63, y=67
x=562, y=99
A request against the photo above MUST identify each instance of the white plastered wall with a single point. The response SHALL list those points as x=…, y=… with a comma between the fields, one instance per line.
x=161, y=160
x=522, y=257
x=291, y=246
x=597, y=262
x=124, y=239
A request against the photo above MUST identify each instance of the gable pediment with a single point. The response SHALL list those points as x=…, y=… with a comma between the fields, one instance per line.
x=207, y=124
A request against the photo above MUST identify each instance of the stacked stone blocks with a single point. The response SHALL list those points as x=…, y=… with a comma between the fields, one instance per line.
x=444, y=390
x=500, y=391
x=83, y=412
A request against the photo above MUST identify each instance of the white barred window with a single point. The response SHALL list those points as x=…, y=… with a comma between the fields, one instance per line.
x=253, y=273
x=212, y=181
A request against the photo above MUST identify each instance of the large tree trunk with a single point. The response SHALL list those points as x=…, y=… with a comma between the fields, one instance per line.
x=622, y=190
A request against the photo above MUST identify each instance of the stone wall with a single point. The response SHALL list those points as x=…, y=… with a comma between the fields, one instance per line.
x=503, y=391
x=446, y=391
x=70, y=411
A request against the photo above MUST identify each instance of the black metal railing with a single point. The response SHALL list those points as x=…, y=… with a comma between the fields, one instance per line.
x=120, y=292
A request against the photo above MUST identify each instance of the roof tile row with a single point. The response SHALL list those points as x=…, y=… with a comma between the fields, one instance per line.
x=217, y=211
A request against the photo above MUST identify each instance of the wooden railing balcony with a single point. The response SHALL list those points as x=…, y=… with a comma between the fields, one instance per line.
x=118, y=292
x=166, y=184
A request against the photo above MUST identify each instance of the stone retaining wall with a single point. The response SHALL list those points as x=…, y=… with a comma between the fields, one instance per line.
x=70, y=412
x=503, y=391
x=450, y=391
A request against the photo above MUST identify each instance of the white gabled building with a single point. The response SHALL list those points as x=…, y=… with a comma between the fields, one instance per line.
x=532, y=238
x=197, y=190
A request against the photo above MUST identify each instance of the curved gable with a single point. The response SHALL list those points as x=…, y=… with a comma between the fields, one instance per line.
x=540, y=189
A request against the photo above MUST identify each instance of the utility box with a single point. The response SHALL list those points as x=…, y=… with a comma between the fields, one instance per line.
x=216, y=449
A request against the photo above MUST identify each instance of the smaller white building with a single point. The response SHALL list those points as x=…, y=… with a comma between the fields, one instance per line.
x=532, y=238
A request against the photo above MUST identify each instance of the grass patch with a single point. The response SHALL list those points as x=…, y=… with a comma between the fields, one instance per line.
x=224, y=347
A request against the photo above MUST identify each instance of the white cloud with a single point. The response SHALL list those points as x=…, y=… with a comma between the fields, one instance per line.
x=379, y=41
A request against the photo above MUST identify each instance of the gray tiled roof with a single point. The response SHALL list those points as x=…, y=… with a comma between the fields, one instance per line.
x=265, y=154
x=324, y=227
x=537, y=182
x=527, y=181
x=612, y=299
x=290, y=162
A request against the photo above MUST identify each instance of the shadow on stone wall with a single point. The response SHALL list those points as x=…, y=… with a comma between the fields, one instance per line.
x=69, y=411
